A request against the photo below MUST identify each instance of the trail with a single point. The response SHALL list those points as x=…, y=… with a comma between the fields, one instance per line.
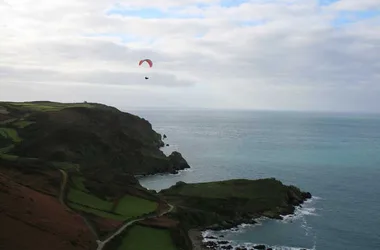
x=101, y=244
x=63, y=186
x=62, y=201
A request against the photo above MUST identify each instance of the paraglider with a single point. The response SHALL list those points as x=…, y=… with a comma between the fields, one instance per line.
x=150, y=63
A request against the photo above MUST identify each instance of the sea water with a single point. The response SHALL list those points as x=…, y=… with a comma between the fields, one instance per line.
x=336, y=157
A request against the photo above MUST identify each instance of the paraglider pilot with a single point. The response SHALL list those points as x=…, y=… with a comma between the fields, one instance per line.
x=149, y=62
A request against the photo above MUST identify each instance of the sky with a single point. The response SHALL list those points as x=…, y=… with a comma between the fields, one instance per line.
x=320, y=55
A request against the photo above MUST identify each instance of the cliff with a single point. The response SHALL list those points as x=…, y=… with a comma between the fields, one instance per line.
x=92, y=135
x=226, y=204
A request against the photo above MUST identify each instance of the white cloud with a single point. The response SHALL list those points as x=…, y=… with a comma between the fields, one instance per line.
x=282, y=54
x=355, y=5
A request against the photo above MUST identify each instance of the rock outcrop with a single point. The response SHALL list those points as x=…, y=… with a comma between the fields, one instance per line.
x=226, y=204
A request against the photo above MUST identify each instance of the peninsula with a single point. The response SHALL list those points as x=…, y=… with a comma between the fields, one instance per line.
x=68, y=179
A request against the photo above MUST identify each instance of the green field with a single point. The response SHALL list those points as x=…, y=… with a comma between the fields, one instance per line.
x=134, y=206
x=22, y=123
x=88, y=200
x=48, y=106
x=10, y=133
x=8, y=157
x=6, y=149
x=140, y=237
x=78, y=183
x=128, y=206
x=94, y=211
x=8, y=121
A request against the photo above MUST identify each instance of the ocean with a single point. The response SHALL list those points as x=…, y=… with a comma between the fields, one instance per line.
x=336, y=157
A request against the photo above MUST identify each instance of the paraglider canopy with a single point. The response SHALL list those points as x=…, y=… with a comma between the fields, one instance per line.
x=146, y=60
x=149, y=62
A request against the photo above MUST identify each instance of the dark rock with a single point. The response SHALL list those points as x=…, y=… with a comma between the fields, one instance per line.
x=167, y=145
x=211, y=237
x=223, y=242
x=227, y=247
x=177, y=161
x=259, y=247
x=210, y=244
x=165, y=136
x=241, y=248
x=306, y=195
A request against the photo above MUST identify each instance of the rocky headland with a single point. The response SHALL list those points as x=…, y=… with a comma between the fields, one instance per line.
x=68, y=179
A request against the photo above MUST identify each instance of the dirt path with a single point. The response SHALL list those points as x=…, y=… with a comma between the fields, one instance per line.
x=63, y=187
x=62, y=201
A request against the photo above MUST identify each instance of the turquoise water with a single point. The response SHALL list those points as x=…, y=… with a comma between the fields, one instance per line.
x=336, y=157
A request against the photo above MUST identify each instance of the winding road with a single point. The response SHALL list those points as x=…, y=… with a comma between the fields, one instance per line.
x=100, y=243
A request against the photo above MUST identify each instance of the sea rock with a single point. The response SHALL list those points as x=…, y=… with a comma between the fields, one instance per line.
x=259, y=247
x=211, y=244
x=223, y=242
x=211, y=237
x=307, y=195
x=227, y=247
x=241, y=248
x=177, y=161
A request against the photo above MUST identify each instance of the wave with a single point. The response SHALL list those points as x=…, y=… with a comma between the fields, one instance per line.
x=300, y=213
x=250, y=245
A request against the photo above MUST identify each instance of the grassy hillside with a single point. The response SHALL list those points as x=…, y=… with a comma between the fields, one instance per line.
x=94, y=136
x=234, y=201
x=136, y=238
x=98, y=148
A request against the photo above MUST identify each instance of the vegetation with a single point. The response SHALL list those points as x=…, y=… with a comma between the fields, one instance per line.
x=6, y=149
x=66, y=165
x=8, y=157
x=87, y=134
x=22, y=123
x=140, y=237
x=132, y=206
x=9, y=133
x=119, y=209
x=234, y=201
x=88, y=200
x=44, y=106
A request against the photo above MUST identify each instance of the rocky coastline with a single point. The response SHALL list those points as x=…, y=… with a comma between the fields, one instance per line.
x=212, y=238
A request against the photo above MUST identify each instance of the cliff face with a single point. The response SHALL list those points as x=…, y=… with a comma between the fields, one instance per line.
x=91, y=135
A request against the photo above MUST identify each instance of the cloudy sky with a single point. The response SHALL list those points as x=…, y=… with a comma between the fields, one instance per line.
x=243, y=54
